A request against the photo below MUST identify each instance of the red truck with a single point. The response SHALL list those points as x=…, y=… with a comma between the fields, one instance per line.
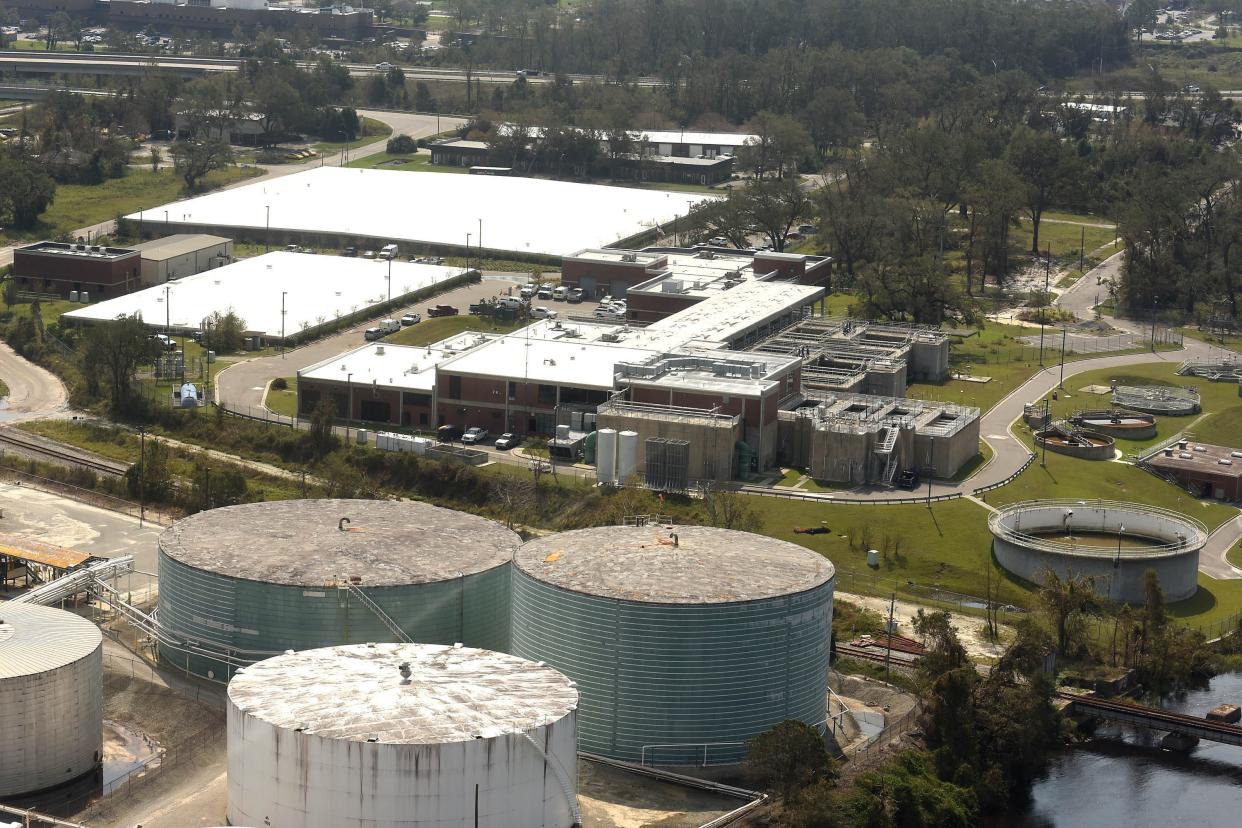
x=441, y=310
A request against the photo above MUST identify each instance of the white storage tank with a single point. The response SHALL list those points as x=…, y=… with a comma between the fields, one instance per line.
x=606, y=456
x=627, y=455
x=402, y=735
x=51, y=698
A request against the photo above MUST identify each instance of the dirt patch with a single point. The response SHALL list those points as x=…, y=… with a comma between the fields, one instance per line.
x=614, y=798
x=969, y=628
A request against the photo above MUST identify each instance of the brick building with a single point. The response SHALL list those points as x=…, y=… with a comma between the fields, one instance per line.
x=66, y=269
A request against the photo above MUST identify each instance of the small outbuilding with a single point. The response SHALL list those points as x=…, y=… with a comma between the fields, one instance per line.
x=182, y=254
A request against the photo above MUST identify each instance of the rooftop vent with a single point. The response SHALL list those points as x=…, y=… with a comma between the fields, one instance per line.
x=629, y=257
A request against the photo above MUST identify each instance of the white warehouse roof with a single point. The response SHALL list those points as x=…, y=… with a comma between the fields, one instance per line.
x=318, y=290
x=520, y=215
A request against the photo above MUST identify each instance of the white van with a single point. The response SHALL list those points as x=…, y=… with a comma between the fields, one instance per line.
x=388, y=251
x=389, y=326
x=560, y=293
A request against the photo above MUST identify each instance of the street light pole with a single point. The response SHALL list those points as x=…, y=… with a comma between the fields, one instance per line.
x=349, y=405
x=390, y=280
x=1061, y=384
x=283, y=293
x=1044, y=462
x=480, y=234
x=468, y=251
x=267, y=230
x=142, y=474
x=1043, y=316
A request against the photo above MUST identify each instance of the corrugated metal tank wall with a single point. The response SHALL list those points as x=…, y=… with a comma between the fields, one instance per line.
x=51, y=725
x=254, y=619
x=688, y=675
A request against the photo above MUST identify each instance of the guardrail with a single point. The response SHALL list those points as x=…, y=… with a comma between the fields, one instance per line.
x=1030, y=458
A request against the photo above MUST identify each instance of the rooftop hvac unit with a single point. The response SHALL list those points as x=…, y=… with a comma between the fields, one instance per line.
x=629, y=257
x=706, y=253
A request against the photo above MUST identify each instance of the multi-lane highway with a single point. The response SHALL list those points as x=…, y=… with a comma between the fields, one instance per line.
x=118, y=64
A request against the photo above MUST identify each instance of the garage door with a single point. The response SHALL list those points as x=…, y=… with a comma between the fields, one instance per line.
x=588, y=285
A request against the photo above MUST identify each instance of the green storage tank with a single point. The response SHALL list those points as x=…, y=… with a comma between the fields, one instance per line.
x=242, y=583
x=685, y=642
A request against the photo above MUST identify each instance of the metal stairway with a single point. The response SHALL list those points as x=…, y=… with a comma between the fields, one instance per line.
x=366, y=601
x=888, y=442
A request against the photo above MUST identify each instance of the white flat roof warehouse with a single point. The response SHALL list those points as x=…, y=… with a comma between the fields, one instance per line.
x=317, y=290
x=520, y=215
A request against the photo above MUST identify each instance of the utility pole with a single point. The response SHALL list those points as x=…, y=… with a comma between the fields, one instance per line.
x=142, y=475
x=888, y=651
x=267, y=230
x=284, y=293
x=1047, y=403
x=1082, y=248
x=1043, y=316
x=1061, y=384
x=206, y=488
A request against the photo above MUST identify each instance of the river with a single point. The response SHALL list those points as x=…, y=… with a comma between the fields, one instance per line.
x=1122, y=779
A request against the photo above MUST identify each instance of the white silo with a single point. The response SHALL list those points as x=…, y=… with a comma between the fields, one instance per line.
x=627, y=455
x=606, y=456
x=401, y=735
x=51, y=698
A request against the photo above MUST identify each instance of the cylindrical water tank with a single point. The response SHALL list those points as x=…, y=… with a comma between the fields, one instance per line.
x=242, y=583
x=401, y=735
x=51, y=698
x=685, y=642
x=606, y=456
x=627, y=455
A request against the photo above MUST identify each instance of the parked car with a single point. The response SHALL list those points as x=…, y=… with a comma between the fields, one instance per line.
x=410, y=319
x=718, y=241
x=544, y=292
x=508, y=440
x=388, y=251
x=603, y=312
x=448, y=433
x=349, y=251
x=474, y=434
x=575, y=295
x=527, y=291
x=165, y=342
x=383, y=67
x=389, y=326
x=368, y=254
x=542, y=313
x=510, y=302
x=908, y=479
x=560, y=293
x=442, y=310
x=372, y=334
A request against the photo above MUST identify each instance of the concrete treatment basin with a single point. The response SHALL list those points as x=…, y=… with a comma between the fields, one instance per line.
x=1126, y=425
x=1084, y=445
x=1112, y=542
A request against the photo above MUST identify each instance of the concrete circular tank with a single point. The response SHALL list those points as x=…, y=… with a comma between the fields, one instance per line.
x=51, y=698
x=1085, y=445
x=1116, y=543
x=401, y=735
x=1127, y=425
x=685, y=642
x=242, y=583
x=1157, y=399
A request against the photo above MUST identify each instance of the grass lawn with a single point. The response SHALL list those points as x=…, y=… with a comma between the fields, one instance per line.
x=433, y=330
x=1230, y=342
x=1222, y=428
x=1215, y=397
x=1215, y=602
x=372, y=131
x=283, y=401
x=4, y=389
x=419, y=162
x=1069, y=477
x=80, y=205
x=997, y=351
x=124, y=446
x=947, y=546
x=1234, y=556
x=789, y=477
x=1064, y=239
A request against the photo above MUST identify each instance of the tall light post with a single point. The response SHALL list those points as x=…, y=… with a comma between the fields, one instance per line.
x=142, y=474
x=349, y=410
x=1117, y=560
x=480, y=235
x=390, y=280
x=267, y=229
x=1043, y=316
x=283, y=294
x=468, y=251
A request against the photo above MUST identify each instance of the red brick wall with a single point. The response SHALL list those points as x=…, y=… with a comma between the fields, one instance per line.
x=652, y=307
x=631, y=273
x=49, y=273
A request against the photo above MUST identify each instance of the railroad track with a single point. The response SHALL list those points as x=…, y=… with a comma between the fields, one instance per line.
x=897, y=658
x=62, y=455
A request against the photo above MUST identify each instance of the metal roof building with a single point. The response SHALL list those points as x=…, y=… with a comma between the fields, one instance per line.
x=242, y=583
x=51, y=698
x=685, y=641
x=401, y=735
